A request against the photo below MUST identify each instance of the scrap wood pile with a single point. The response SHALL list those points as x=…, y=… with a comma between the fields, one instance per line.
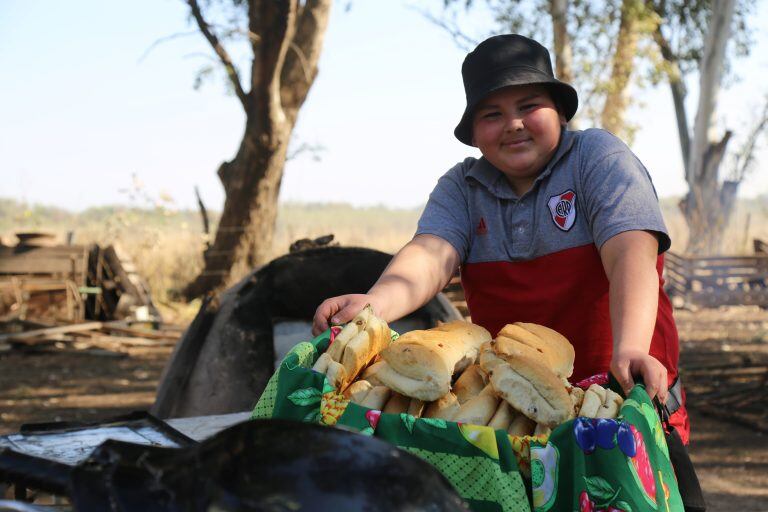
x=41, y=280
x=111, y=339
x=724, y=363
x=728, y=379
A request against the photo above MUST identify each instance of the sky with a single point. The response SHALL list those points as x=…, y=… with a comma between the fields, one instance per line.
x=92, y=109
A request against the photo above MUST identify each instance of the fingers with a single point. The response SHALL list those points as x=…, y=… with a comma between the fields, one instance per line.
x=337, y=310
x=663, y=385
x=346, y=313
x=324, y=311
x=623, y=376
x=651, y=378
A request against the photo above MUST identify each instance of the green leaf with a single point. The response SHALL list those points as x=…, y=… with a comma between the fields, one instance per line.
x=435, y=422
x=313, y=417
x=608, y=501
x=327, y=388
x=408, y=421
x=367, y=431
x=623, y=505
x=599, y=488
x=307, y=396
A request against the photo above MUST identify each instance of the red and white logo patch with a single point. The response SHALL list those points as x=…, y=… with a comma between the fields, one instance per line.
x=563, y=209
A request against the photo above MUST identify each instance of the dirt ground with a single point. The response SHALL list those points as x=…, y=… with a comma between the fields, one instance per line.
x=731, y=459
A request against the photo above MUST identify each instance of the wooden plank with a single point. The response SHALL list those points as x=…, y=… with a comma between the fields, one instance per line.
x=69, y=261
x=48, y=331
x=124, y=328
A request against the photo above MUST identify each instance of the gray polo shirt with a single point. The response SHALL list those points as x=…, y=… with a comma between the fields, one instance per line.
x=593, y=189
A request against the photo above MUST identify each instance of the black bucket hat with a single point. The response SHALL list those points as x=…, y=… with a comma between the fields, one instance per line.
x=504, y=60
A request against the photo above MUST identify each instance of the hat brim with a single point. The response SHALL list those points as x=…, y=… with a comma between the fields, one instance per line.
x=562, y=93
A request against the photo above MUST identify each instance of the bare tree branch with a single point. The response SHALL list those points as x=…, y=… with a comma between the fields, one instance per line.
x=745, y=157
x=313, y=149
x=462, y=40
x=164, y=40
x=229, y=66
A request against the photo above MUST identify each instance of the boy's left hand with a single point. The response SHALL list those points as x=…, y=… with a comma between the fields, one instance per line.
x=625, y=364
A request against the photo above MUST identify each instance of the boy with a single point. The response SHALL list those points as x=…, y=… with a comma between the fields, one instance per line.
x=550, y=226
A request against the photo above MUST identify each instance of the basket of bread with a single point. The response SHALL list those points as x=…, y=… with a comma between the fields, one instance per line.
x=496, y=415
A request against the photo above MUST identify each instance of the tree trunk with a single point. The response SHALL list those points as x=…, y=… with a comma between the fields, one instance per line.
x=616, y=100
x=286, y=39
x=246, y=228
x=558, y=11
x=705, y=207
x=677, y=87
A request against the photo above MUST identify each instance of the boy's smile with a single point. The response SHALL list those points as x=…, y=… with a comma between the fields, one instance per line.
x=518, y=129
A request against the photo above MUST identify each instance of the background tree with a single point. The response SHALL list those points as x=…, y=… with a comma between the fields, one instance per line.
x=648, y=41
x=695, y=36
x=581, y=34
x=284, y=39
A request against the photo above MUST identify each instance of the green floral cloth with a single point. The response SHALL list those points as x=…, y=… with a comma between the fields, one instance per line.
x=587, y=465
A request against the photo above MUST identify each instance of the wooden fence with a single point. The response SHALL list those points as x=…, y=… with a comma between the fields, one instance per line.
x=717, y=280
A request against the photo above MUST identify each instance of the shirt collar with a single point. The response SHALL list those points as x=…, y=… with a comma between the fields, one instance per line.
x=493, y=179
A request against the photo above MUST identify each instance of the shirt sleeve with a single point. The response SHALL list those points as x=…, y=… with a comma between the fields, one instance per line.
x=619, y=194
x=447, y=213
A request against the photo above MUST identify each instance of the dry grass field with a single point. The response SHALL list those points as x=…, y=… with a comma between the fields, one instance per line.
x=166, y=244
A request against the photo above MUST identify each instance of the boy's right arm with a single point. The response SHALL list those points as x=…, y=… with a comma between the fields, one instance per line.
x=416, y=274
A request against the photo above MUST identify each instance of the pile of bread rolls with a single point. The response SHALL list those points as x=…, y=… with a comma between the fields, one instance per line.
x=458, y=372
x=354, y=348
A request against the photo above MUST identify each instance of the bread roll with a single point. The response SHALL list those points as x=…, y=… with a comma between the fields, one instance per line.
x=357, y=352
x=554, y=338
x=477, y=411
x=542, y=430
x=593, y=400
x=577, y=397
x=321, y=365
x=336, y=375
x=444, y=408
x=365, y=345
x=427, y=390
x=529, y=387
x=503, y=416
x=376, y=397
x=611, y=395
x=469, y=383
x=416, y=407
x=610, y=407
x=352, y=329
x=488, y=390
x=357, y=391
x=396, y=404
x=370, y=373
x=436, y=354
x=537, y=343
x=521, y=425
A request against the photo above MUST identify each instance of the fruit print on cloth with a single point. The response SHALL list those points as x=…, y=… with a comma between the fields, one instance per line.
x=601, y=498
x=654, y=423
x=482, y=437
x=641, y=468
x=591, y=433
x=544, y=469
x=332, y=407
x=521, y=447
